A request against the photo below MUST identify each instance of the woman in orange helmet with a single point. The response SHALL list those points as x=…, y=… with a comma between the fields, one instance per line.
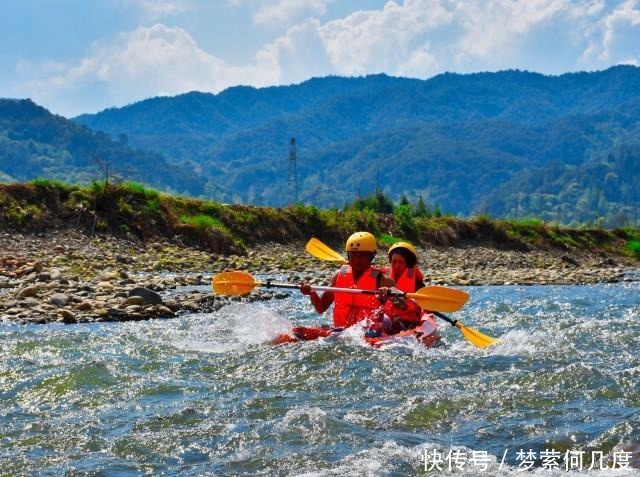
x=404, y=271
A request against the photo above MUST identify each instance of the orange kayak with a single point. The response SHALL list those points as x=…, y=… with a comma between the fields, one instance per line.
x=426, y=333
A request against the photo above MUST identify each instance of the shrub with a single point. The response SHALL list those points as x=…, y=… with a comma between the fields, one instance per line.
x=404, y=220
x=152, y=207
x=201, y=221
x=98, y=187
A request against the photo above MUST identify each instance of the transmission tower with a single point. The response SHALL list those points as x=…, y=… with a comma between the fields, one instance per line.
x=293, y=171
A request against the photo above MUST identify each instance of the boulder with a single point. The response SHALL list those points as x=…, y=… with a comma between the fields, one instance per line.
x=59, y=299
x=150, y=297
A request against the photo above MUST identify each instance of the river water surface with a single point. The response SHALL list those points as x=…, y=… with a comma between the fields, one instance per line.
x=205, y=394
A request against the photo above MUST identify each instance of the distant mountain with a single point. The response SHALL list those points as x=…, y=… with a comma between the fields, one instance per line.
x=35, y=143
x=454, y=139
x=466, y=143
x=603, y=190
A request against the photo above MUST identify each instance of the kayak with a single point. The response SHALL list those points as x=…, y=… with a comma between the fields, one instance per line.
x=426, y=333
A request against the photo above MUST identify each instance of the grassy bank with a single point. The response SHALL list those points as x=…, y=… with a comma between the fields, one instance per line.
x=135, y=212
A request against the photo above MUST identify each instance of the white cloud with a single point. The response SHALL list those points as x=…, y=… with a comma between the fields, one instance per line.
x=281, y=12
x=460, y=34
x=380, y=40
x=614, y=36
x=419, y=64
x=298, y=55
x=417, y=38
x=493, y=28
x=156, y=9
x=467, y=35
x=625, y=15
x=151, y=61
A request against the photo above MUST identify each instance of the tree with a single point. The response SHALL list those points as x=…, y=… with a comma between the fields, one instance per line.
x=421, y=208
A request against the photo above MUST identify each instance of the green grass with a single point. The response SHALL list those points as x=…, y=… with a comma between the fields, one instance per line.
x=388, y=240
x=530, y=230
x=563, y=239
x=41, y=182
x=530, y=222
x=201, y=221
x=433, y=223
x=81, y=197
x=140, y=189
x=134, y=207
x=211, y=209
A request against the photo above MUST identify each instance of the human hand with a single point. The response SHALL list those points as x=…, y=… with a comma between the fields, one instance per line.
x=382, y=294
x=397, y=298
x=399, y=302
x=305, y=288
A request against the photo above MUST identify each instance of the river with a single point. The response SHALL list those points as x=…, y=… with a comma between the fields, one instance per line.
x=204, y=394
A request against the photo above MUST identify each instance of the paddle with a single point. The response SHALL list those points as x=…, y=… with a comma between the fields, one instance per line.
x=473, y=336
x=319, y=250
x=428, y=298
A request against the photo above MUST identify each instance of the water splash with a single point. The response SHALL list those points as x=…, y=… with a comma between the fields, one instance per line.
x=232, y=327
x=205, y=394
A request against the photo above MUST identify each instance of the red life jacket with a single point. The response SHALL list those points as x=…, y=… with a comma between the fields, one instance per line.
x=349, y=308
x=406, y=283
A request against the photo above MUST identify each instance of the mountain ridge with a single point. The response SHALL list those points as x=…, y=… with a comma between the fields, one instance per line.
x=454, y=139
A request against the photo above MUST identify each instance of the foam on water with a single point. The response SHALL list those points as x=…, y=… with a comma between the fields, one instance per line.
x=521, y=343
x=205, y=394
x=232, y=328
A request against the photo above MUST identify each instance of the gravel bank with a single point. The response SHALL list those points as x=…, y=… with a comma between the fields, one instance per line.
x=69, y=277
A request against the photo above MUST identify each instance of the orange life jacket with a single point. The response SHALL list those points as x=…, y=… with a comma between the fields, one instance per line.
x=406, y=283
x=349, y=308
x=386, y=270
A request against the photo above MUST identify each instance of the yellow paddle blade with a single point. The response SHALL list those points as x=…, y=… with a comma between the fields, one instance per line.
x=319, y=250
x=434, y=298
x=233, y=283
x=474, y=336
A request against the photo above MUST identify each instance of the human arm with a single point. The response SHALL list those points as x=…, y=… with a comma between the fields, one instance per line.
x=320, y=302
x=388, y=286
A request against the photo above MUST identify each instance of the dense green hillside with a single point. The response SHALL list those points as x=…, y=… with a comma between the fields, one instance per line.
x=453, y=139
x=469, y=144
x=35, y=143
x=602, y=191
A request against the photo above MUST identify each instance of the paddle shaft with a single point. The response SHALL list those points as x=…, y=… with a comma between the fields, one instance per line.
x=451, y=321
x=355, y=291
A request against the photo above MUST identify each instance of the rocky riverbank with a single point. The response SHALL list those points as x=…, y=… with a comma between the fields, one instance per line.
x=69, y=277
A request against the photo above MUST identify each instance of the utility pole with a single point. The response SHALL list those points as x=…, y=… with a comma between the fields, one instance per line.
x=293, y=171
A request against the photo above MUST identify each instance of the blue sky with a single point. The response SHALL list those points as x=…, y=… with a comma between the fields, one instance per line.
x=81, y=56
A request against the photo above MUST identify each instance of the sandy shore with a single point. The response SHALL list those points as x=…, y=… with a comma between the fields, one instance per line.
x=70, y=277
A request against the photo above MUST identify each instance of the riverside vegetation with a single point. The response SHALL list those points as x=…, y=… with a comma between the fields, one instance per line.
x=115, y=252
